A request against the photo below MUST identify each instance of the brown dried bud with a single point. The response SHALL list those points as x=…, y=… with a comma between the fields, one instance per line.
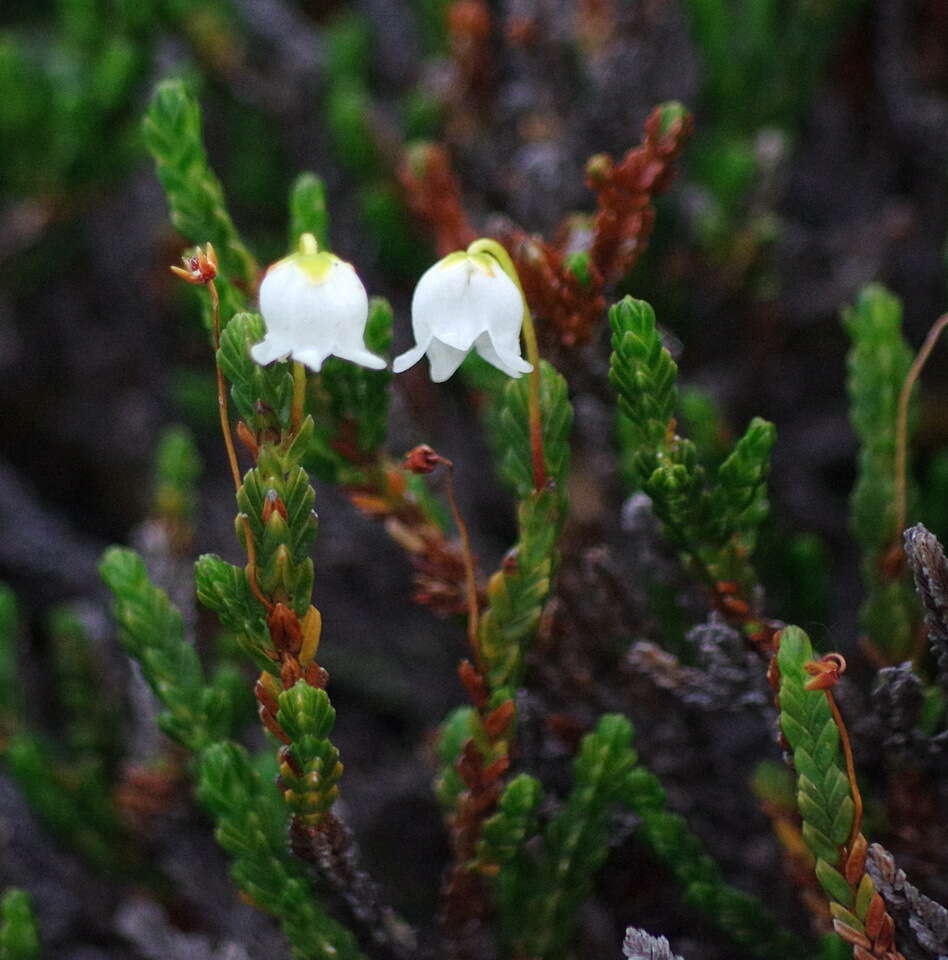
x=270, y=722
x=271, y=503
x=285, y=630
x=316, y=676
x=265, y=697
x=851, y=936
x=199, y=267
x=855, y=865
x=246, y=437
x=422, y=459
x=497, y=721
x=825, y=672
x=290, y=672
x=875, y=916
x=474, y=683
x=495, y=770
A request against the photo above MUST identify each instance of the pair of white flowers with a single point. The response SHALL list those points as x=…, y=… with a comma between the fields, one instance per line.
x=314, y=305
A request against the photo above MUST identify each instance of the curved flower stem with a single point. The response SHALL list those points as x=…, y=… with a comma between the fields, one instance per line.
x=473, y=611
x=229, y=444
x=423, y=460
x=221, y=386
x=850, y=768
x=901, y=423
x=496, y=250
x=299, y=397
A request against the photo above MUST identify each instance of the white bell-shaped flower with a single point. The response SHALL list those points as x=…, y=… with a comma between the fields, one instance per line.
x=466, y=301
x=313, y=305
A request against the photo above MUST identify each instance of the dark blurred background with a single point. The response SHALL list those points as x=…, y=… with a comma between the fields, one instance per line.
x=818, y=163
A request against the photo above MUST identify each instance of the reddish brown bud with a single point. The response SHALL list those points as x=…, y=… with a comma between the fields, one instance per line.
x=497, y=721
x=825, y=672
x=469, y=20
x=734, y=606
x=285, y=630
x=875, y=916
x=266, y=698
x=199, y=267
x=270, y=722
x=486, y=799
x=851, y=936
x=468, y=765
x=474, y=683
x=246, y=437
x=316, y=676
x=495, y=770
x=855, y=865
x=422, y=459
x=290, y=672
x=885, y=938
x=271, y=503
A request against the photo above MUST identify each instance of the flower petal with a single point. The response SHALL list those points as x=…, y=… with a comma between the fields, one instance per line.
x=444, y=360
x=410, y=357
x=270, y=348
x=442, y=305
x=311, y=357
x=501, y=356
x=361, y=356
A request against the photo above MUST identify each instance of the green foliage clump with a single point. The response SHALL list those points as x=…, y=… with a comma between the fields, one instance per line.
x=262, y=395
x=350, y=406
x=151, y=630
x=515, y=822
x=824, y=795
x=456, y=729
x=172, y=131
x=517, y=592
x=251, y=828
x=68, y=789
x=780, y=52
x=742, y=917
x=310, y=773
x=177, y=469
x=19, y=939
x=539, y=893
x=308, y=211
x=10, y=695
x=576, y=842
x=277, y=500
x=713, y=520
x=878, y=362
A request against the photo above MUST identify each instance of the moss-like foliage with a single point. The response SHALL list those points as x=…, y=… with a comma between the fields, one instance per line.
x=517, y=592
x=251, y=828
x=878, y=361
x=151, y=631
x=825, y=801
x=311, y=770
x=19, y=939
x=172, y=130
x=712, y=517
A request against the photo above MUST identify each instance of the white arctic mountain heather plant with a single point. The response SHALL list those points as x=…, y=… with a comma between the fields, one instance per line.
x=313, y=305
x=466, y=301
